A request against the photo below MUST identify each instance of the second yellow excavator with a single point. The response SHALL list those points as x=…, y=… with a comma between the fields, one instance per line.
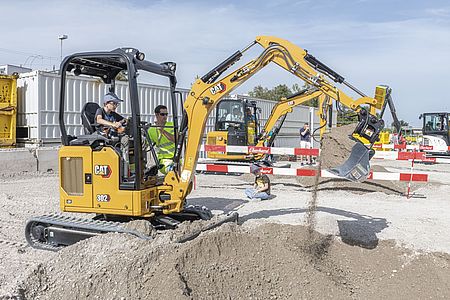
x=237, y=123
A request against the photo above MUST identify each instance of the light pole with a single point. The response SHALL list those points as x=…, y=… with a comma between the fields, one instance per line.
x=62, y=38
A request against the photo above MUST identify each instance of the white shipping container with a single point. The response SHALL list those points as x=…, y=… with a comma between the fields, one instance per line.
x=38, y=104
x=38, y=107
x=11, y=69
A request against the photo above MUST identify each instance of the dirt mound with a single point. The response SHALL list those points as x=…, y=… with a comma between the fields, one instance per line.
x=267, y=262
x=336, y=146
x=335, y=149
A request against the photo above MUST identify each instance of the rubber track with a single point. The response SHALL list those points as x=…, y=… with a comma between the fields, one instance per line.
x=89, y=225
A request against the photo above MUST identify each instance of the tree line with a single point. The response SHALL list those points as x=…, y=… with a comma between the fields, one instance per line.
x=344, y=116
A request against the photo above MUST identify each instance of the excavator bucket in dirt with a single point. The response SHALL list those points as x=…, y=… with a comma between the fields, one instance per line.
x=356, y=167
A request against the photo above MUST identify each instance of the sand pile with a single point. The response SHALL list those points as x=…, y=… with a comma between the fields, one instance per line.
x=335, y=149
x=336, y=146
x=233, y=262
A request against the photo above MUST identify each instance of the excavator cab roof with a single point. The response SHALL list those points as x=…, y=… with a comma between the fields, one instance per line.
x=107, y=64
x=106, y=68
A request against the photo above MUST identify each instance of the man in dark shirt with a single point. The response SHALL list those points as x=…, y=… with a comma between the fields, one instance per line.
x=305, y=141
x=261, y=187
x=106, y=116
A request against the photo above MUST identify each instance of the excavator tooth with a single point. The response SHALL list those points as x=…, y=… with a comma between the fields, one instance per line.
x=356, y=167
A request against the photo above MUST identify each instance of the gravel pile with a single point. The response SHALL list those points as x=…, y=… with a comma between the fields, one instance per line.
x=235, y=262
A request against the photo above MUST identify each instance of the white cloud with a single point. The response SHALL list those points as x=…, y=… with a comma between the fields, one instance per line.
x=439, y=12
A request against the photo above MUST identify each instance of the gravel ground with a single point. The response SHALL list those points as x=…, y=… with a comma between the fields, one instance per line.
x=418, y=223
x=368, y=245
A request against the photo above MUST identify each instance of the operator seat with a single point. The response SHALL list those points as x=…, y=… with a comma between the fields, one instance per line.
x=88, y=117
x=91, y=137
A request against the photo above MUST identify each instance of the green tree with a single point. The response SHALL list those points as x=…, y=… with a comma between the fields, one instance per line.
x=278, y=92
x=260, y=92
x=281, y=91
x=346, y=117
x=297, y=88
x=275, y=94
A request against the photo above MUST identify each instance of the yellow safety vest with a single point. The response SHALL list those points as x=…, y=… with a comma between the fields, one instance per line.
x=165, y=148
x=251, y=128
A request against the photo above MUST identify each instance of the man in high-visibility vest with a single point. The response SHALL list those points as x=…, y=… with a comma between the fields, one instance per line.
x=163, y=138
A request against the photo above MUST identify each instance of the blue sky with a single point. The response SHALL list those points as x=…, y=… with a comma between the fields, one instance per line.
x=404, y=44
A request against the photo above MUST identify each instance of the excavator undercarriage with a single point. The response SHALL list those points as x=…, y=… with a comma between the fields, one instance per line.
x=55, y=231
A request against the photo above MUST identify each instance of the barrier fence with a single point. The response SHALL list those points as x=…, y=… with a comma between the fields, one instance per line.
x=389, y=155
x=219, y=168
x=260, y=150
x=409, y=147
x=416, y=156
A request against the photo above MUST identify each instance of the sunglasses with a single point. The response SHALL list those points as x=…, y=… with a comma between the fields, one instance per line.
x=163, y=114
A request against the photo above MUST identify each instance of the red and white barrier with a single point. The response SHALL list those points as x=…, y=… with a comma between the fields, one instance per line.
x=394, y=155
x=260, y=150
x=416, y=156
x=408, y=147
x=389, y=155
x=303, y=151
x=310, y=172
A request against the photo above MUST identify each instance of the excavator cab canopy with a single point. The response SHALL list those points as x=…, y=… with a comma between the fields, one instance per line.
x=237, y=111
x=125, y=64
x=436, y=124
x=236, y=122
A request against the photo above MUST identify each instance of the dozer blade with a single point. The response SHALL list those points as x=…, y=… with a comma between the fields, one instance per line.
x=229, y=218
x=356, y=167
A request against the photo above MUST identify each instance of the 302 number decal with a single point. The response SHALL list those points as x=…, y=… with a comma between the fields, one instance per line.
x=103, y=198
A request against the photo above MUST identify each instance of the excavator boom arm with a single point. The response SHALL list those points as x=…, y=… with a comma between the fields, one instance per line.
x=208, y=90
x=282, y=108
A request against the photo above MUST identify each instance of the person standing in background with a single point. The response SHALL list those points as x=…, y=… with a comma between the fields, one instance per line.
x=305, y=142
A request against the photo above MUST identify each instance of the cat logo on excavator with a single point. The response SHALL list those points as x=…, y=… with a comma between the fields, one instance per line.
x=102, y=170
x=218, y=88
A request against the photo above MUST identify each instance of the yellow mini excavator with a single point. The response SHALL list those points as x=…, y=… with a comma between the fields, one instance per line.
x=247, y=130
x=112, y=173
x=114, y=176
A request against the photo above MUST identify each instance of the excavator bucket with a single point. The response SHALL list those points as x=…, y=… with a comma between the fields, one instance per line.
x=356, y=167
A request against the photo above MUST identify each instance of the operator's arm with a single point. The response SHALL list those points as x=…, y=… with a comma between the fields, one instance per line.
x=99, y=119
x=168, y=135
x=120, y=118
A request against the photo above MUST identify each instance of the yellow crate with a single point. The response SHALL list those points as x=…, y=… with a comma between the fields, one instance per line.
x=8, y=110
x=380, y=95
x=384, y=138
